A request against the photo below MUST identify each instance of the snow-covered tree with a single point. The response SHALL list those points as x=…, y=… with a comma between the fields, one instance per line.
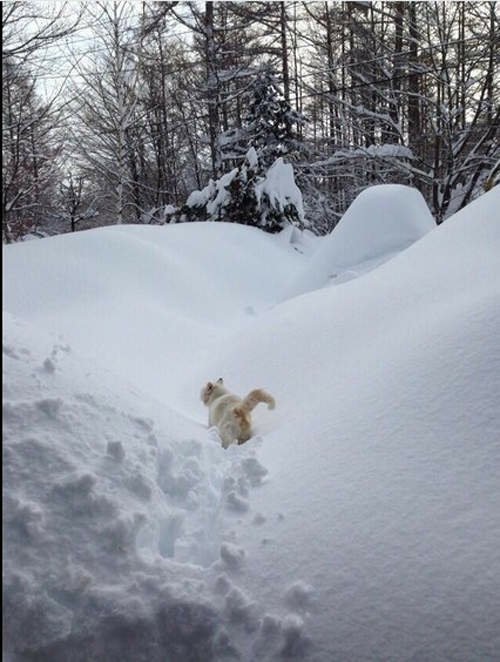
x=30, y=147
x=109, y=134
x=269, y=124
x=270, y=201
x=260, y=190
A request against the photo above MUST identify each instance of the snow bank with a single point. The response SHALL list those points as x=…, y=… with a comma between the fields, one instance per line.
x=381, y=221
x=384, y=461
x=147, y=301
x=361, y=521
x=114, y=546
x=81, y=500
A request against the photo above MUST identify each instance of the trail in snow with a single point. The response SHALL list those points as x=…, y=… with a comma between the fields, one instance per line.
x=193, y=476
x=359, y=523
x=117, y=517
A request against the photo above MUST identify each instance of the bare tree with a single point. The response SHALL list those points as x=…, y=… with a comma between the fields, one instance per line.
x=76, y=204
x=27, y=27
x=31, y=125
x=31, y=145
x=108, y=135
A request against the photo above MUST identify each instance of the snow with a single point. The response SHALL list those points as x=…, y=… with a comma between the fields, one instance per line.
x=215, y=195
x=386, y=151
x=382, y=221
x=390, y=151
x=280, y=187
x=222, y=197
x=251, y=158
x=200, y=198
x=361, y=522
x=138, y=299
x=169, y=210
x=275, y=193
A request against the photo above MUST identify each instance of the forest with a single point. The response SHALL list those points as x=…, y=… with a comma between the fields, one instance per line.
x=158, y=112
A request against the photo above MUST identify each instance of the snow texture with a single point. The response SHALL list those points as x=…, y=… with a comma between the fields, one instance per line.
x=222, y=196
x=280, y=187
x=268, y=200
x=362, y=520
x=381, y=221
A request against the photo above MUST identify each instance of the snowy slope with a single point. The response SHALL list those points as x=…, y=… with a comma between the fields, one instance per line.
x=89, y=520
x=382, y=221
x=385, y=456
x=113, y=501
x=361, y=522
x=147, y=301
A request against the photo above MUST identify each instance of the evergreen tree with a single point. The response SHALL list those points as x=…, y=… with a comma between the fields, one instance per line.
x=270, y=201
x=267, y=125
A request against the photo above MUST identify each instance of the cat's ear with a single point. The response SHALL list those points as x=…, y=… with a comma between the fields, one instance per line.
x=210, y=385
x=220, y=380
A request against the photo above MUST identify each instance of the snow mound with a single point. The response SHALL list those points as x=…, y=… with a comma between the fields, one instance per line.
x=93, y=523
x=360, y=522
x=147, y=301
x=385, y=459
x=114, y=546
x=382, y=221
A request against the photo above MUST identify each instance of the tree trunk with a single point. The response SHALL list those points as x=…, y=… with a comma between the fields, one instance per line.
x=414, y=129
x=213, y=111
x=394, y=112
x=284, y=52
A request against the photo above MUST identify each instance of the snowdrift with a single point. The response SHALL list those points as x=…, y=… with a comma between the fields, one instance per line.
x=386, y=455
x=147, y=302
x=382, y=221
x=361, y=522
x=96, y=496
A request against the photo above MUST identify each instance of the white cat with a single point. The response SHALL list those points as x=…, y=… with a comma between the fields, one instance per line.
x=231, y=414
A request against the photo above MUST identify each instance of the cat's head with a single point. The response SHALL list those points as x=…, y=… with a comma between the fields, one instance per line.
x=208, y=389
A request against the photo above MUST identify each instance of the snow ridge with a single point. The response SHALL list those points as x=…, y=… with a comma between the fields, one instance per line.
x=120, y=536
x=360, y=522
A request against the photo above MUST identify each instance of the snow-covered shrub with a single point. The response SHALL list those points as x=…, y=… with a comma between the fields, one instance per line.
x=248, y=195
x=280, y=199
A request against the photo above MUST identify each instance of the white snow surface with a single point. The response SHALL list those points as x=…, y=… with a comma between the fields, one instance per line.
x=221, y=186
x=279, y=185
x=381, y=221
x=362, y=520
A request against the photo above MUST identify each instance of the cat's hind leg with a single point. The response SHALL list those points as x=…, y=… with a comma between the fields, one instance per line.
x=227, y=435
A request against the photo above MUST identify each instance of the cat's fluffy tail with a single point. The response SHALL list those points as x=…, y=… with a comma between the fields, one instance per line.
x=241, y=415
x=256, y=396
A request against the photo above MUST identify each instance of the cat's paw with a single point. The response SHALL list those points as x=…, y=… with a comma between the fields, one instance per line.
x=213, y=435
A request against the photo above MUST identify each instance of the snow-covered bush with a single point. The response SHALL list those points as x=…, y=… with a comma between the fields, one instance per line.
x=248, y=195
x=280, y=199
